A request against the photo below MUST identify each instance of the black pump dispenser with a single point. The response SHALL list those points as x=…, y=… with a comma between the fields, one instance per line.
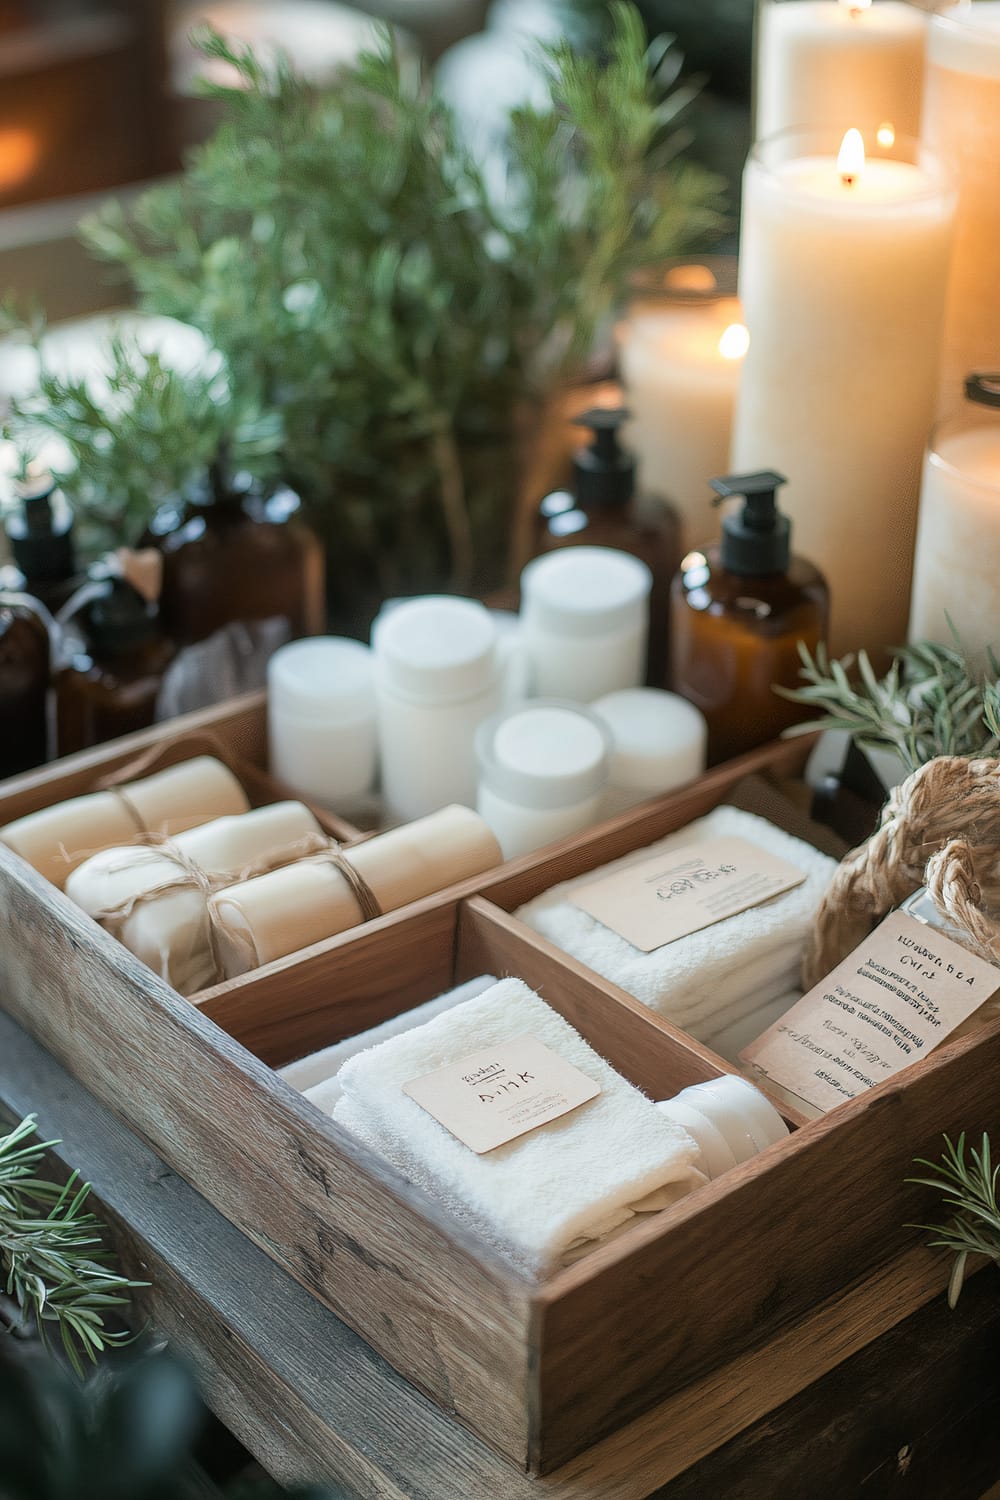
x=755, y=540
x=118, y=619
x=41, y=533
x=603, y=474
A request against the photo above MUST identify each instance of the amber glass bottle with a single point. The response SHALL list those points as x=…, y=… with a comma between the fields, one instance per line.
x=603, y=510
x=738, y=612
x=231, y=553
x=109, y=686
x=24, y=683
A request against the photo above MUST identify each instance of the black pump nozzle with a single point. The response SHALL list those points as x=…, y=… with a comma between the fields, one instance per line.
x=41, y=532
x=757, y=540
x=604, y=474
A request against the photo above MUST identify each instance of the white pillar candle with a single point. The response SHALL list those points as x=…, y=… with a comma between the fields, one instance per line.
x=962, y=127
x=659, y=743
x=956, y=575
x=680, y=358
x=831, y=64
x=842, y=275
x=321, y=719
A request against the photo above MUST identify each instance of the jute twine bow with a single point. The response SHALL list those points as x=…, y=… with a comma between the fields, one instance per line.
x=940, y=828
x=192, y=876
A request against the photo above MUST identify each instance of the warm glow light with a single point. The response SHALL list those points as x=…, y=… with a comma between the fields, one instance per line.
x=851, y=158
x=690, y=279
x=19, y=152
x=855, y=6
x=734, y=342
x=886, y=134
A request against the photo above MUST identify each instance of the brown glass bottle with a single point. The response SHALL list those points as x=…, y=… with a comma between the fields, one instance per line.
x=233, y=554
x=738, y=612
x=109, y=686
x=604, y=511
x=24, y=684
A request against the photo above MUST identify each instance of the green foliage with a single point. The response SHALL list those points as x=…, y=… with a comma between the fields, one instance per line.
x=342, y=249
x=142, y=436
x=968, y=1185
x=930, y=702
x=52, y=1260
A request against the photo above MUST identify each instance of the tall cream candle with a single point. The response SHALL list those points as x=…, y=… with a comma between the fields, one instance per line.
x=956, y=576
x=842, y=278
x=831, y=64
x=680, y=364
x=962, y=127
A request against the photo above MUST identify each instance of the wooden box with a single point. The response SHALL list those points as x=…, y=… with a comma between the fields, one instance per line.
x=540, y=1370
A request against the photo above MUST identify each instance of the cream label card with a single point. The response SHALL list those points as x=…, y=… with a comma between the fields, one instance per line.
x=673, y=894
x=494, y=1095
x=892, y=1000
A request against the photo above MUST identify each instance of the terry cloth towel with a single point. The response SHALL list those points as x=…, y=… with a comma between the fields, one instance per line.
x=535, y=1198
x=316, y=1076
x=711, y=980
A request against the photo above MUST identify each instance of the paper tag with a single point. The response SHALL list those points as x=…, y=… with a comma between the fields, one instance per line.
x=496, y=1094
x=892, y=1000
x=673, y=894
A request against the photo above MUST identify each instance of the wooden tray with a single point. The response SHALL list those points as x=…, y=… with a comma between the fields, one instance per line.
x=540, y=1371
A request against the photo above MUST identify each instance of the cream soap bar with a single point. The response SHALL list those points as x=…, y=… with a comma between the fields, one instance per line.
x=277, y=914
x=57, y=839
x=149, y=900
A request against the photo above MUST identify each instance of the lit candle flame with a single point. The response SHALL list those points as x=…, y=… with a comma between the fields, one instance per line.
x=886, y=134
x=691, y=278
x=734, y=342
x=851, y=158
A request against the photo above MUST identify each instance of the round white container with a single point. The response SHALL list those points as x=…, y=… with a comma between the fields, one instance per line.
x=321, y=718
x=585, y=621
x=543, y=767
x=437, y=677
x=729, y=1119
x=659, y=743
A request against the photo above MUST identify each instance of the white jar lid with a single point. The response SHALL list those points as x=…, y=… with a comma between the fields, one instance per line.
x=437, y=649
x=322, y=679
x=544, y=754
x=585, y=591
x=660, y=738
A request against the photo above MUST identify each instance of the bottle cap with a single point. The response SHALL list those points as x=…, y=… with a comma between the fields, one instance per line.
x=585, y=591
x=756, y=540
x=118, y=618
x=983, y=389
x=41, y=532
x=437, y=649
x=603, y=474
x=545, y=754
x=321, y=680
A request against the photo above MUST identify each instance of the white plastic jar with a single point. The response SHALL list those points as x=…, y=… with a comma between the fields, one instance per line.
x=543, y=767
x=321, y=719
x=660, y=743
x=585, y=621
x=437, y=677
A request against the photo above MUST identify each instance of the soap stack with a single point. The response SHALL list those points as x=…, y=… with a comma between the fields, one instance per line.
x=202, y=888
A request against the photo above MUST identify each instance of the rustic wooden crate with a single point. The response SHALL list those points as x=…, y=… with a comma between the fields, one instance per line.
x=540, y=1370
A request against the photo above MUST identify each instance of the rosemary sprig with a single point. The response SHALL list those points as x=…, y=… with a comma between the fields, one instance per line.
x=930, y=702
x=969, y=1186
x=52, y=1259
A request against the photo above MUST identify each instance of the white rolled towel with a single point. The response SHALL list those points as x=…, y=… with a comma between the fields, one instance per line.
x=711, y=980
x=537, y=1198
x=317, y=1076
x=146, y=897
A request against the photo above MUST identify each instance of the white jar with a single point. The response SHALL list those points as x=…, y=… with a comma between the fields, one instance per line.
x=585, y=621
x=659, y=743
x=321, y=718
x=543, y=768
x=437, y=677
x=730, y=1120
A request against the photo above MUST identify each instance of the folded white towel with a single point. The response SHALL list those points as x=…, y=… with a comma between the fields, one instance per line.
x=316, y=1075
x=711, y=980
x=573, y=1180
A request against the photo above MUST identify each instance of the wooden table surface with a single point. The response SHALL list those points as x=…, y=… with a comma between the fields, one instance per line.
x=912, y=1414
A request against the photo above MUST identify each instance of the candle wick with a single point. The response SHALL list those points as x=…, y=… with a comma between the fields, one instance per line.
x=848, y=178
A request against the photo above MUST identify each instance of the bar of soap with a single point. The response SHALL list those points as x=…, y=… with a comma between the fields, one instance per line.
x=273, y=915
x=170, y=931
x=57, y=839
